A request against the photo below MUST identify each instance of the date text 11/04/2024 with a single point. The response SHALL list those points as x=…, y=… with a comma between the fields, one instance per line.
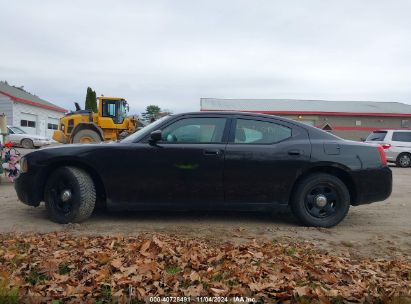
x=201, y=299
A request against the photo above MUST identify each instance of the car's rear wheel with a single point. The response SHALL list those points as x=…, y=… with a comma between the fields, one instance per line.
x=70, y=195
x=404, y=160
x=320, y=200
x=27, y=143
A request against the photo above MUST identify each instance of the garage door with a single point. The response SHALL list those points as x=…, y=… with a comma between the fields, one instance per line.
x=28, y=122
x=52, y=124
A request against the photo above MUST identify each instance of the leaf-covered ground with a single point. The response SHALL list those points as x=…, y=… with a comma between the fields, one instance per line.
x=108, y=269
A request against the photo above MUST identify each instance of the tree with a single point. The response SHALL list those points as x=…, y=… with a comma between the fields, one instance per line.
x=91, y=100
x=152, y=113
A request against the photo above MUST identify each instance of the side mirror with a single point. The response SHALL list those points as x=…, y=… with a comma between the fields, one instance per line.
x=156, y=135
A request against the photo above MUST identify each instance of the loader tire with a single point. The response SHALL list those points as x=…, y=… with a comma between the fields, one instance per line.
x=86, y=137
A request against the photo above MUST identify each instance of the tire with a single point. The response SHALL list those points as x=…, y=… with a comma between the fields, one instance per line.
x=310, y=192
x=83, y=195
x=86, y=136
x=27, y=143
x=403, y=160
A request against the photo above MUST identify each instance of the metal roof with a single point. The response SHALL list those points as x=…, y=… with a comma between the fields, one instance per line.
x=294, y=106
x=20, y=95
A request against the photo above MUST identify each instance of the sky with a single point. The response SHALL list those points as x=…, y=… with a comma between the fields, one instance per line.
x=172, y=53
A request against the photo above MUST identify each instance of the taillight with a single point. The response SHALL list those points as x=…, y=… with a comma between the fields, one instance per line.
x=386, y=146
x=23, y=165
x=382, y=155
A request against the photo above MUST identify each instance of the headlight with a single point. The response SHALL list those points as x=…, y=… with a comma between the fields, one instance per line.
x=62, y=128
x=24, y=165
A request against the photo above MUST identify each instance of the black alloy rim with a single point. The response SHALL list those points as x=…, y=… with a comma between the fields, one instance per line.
x=405, y=160
x=319, y=207
x=62, y=206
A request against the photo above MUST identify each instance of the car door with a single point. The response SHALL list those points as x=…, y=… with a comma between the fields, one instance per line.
x=402, y=139
x=262, y=160
x=184, y=167
x=400, y=144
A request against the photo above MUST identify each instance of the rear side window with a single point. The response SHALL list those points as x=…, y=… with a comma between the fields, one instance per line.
x=260, y=132
x=377, y=136
x=401, y=136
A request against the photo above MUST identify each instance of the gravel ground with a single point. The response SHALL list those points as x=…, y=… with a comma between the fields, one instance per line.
x=380, y=230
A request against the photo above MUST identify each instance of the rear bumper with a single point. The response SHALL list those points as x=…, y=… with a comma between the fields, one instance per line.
x=391, y=155
x=29, y=189
x=372, y=185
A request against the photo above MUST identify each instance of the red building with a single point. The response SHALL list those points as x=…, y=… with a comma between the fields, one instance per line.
x=348, y=119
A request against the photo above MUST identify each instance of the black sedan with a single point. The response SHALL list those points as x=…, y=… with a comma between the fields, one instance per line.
x=210, y=160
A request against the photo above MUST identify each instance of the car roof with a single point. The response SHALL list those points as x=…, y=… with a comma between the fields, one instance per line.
x=314, y=132
x=230, y=113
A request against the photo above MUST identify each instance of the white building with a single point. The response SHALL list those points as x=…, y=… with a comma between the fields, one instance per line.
x=29, y=112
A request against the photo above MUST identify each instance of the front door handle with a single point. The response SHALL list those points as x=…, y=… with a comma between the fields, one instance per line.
x=295, y=152
x=210, y=152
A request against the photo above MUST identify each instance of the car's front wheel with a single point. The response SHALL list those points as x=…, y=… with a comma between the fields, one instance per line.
x=320, y=200
x=70, y=195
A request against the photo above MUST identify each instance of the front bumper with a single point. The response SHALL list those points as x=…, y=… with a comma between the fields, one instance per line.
x=372, y=185
x=29, y=188
x=42, y=143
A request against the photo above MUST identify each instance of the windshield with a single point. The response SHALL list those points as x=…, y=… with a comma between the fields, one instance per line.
x=16, y=130
x=144, y=131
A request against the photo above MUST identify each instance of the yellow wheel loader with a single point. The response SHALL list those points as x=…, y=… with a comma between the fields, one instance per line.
x=84, y=126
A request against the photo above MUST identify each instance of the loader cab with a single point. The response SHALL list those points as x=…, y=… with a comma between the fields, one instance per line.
x=115, y=108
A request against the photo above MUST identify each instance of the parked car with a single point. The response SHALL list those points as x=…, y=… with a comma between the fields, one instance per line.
x=210, y=160
x=396, y=144
x=28, y=141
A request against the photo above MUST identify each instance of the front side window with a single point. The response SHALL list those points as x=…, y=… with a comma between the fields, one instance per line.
x=195, y=130
x=401, y=136
x=260, y=132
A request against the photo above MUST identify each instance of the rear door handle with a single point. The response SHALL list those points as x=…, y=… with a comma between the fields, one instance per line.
x=295, y=152
x=210, y=152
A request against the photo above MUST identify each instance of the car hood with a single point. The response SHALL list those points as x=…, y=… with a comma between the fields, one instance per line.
x=81, y=147
x=69, y=151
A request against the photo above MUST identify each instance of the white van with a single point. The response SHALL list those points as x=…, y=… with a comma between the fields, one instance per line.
x=396, y=144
